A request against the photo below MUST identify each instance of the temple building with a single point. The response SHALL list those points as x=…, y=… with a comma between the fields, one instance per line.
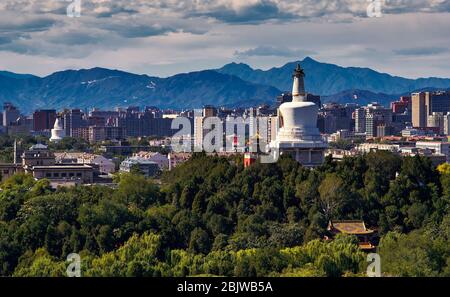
x=298, y=134
x=367, y=238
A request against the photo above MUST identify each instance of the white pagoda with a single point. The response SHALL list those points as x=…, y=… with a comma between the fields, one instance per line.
x=298, y=134
x=58, y=133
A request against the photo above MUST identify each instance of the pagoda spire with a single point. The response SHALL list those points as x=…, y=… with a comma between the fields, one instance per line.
x=298, y=87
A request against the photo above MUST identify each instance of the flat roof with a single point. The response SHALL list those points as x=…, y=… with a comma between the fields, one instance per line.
x=81, y=166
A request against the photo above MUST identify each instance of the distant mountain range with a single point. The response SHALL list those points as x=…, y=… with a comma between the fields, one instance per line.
x=104, y=88
x=328, y=79
x=234, y=85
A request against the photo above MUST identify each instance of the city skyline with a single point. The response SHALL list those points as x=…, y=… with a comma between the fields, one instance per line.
x=169, y=37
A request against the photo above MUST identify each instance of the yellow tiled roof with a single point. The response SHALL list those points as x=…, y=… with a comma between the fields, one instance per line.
x=349, y=227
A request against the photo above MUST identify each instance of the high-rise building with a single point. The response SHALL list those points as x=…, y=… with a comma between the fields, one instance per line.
x=199, y=119
x=97, y=134
x=425, y=103
x=82, y=132
x=10, y=114
x=437, y=102
x=73, y=119
x=401, y=106
x=447, y=124
x=377, y=115
x=44, y=119
x=360, y=120
x=209, y=111
x=334, y=117
x=285, y=97
x=419, y=111
x=383, y=130
x=436, y=120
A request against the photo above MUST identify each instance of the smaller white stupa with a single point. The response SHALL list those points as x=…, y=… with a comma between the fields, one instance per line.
x=58, y=132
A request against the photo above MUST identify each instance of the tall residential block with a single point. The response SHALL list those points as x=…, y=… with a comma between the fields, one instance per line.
x=419, y=110
x=44, y=119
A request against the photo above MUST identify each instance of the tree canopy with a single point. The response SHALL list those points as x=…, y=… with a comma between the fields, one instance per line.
x=212, y=216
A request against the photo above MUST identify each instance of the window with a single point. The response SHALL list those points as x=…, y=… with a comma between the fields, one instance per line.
x=48, y=174
x=79, y=174
x=71, y=174
x=56, y=174
x=63, y=174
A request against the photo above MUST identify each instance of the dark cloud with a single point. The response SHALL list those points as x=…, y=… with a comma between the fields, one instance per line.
x=408, y=6
x=5, y=40
x=75, y=38
x=256, y=13
x=137, y=30
x=420, y=51
x=263, y=51
x=116, y=9
x=10, y=23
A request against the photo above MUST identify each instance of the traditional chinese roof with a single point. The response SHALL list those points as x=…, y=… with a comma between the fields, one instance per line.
x=349, y=227
x=366, y=246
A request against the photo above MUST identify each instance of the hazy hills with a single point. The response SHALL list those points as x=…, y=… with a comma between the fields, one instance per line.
x=106, y=88
x=234, y=85
x=328, y=79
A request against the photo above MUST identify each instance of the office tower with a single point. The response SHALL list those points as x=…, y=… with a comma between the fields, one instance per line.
x=314, y=99
x=436, y=120
x=44, y=119
x=401, y=106
x=285, y=97
x=360, y=120
x=10, y=114
x=447, y=124
x=419, y=113
x=437, y=102
x=383, y=130
x=209, y=111
x=73, y=119
x=335, y=117
x=199, y=130
x=425, y=103
x=377, y=115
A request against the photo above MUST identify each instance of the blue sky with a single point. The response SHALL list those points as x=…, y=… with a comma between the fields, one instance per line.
x=164, y=37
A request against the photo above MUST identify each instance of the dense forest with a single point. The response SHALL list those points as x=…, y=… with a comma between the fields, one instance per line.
x=212, y=216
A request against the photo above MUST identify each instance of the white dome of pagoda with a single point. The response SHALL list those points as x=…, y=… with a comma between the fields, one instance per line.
x=298, y=119
x=58, y=132
x=298, y=134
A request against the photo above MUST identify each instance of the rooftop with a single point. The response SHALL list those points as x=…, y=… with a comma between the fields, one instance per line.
x=38, y=146
x=62, y=166
x=349, y=227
